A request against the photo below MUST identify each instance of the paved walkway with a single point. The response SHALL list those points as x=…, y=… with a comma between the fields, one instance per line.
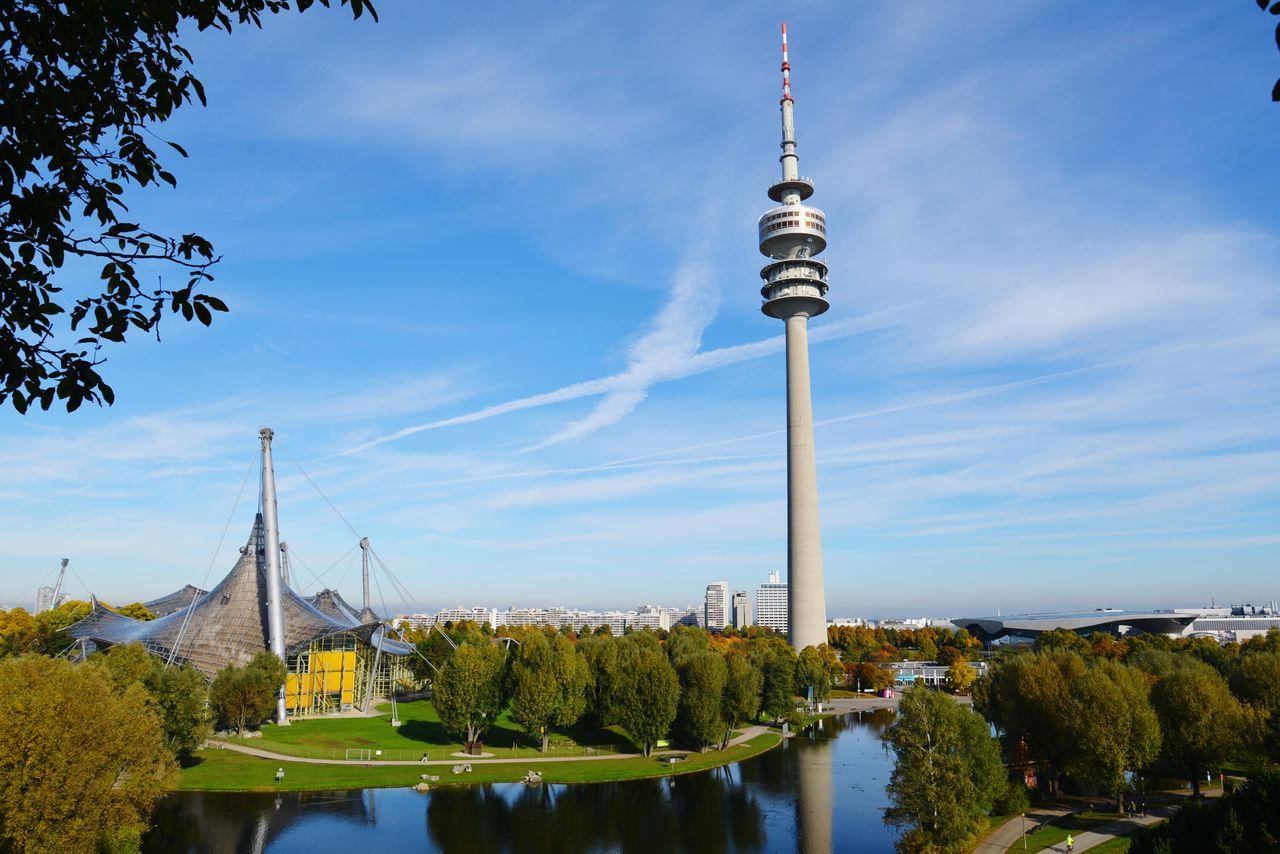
x=1123, y=827
x=1004, y=837
x=1008, y=836
x=746, y=735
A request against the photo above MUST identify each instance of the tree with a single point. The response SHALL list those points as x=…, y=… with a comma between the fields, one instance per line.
x=1275, y=10
x=127, y=663
x=685, y=642
x=135, y=611
x=81, y=764
x=180, y=698
x=1028, y=698
x=600, y=652
x=702, y=679
x=777, y=662
x=468, y=692
x=1063, y=639
x=867, y=676
x=646, y=695
x=741, y=698
x=48, y=637
x=84, y=85
x=814, y=670
x=246, y=696
x=1113, y=726
x=1198, y=718
x=1256, y=680
x=948, y=775
x=548, y=685
x=960, y=676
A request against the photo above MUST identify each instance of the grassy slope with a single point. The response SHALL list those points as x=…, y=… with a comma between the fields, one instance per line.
x=420, y=732
x=225, y=770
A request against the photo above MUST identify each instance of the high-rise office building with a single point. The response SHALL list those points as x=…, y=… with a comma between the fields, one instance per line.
x=771, y=604
x=715, y=608
x=741, y=609
x=795, y=289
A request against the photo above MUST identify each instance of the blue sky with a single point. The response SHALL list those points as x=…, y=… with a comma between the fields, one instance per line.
x=494, y=282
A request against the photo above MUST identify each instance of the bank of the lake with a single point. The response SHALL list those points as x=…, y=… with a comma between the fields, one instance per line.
x=820, y=791
x=225, y=770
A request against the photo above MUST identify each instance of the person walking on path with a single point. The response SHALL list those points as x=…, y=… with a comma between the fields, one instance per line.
x=1071, y=843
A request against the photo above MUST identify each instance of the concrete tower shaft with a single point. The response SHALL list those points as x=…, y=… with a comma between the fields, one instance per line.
x=795, y=289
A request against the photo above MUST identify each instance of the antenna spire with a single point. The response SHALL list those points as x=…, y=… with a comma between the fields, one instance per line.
x=786, y=66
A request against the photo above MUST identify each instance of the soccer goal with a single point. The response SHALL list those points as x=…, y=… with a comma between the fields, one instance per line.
x=359, y=753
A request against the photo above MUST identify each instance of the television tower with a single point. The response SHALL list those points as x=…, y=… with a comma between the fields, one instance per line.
x=795, y=289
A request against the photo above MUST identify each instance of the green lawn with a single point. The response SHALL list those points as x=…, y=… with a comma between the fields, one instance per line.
x=1119, y=845
x=226, y=770
x=420, y=732
x=1054, y=834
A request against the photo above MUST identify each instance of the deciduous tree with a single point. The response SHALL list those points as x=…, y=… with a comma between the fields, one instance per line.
x=244, y=696
x=468, y=692
x=960, y=676
x=1113, y=726
x=81, y=764
x=646, y=695
x=600, y=652
x=741, y=698
x=698, y=719
x=180, y=698
x=814, y=671
x=84, y=86
x=1028, y=697
x=948, y=774
x=1199, y=719
x=548, y=685
x=777, y=662
x=1256, y=680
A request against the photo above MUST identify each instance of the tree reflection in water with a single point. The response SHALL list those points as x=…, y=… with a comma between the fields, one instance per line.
x=699, y=812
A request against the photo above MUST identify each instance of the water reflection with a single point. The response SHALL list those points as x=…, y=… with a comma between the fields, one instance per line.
x=823, y=791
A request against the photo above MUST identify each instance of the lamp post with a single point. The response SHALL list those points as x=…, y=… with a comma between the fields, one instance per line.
x=1024, y=831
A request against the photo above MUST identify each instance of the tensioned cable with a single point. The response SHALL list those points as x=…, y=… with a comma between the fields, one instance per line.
x=42, y=578
x=390, y=575
x=378, y=585
x=400, y=587
x=78, y=578
x=345, y=570
x=195, y=594
x=316, y=578
x=322, y=495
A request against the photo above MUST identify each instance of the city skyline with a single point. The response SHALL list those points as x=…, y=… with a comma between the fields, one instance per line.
x=1049, y=369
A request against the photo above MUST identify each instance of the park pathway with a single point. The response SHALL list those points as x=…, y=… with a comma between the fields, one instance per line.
x=745, y=736
x=1008, y=837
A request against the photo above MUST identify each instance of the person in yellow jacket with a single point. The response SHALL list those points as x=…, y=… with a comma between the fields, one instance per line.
x=1071, y=843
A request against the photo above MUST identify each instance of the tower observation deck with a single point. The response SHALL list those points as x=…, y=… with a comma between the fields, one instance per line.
x=795, y=289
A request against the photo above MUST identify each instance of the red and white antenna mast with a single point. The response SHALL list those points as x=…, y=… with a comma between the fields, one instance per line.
x=786, y=66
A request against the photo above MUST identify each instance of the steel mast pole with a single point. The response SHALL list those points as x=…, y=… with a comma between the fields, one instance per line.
x=275, y=592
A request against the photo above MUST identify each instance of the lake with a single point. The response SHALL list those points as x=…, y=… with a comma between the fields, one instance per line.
x=821, y=791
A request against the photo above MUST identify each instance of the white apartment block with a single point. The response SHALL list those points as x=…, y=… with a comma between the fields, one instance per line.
x=771, y=604
x=684, y=617
x=715, y=606
x=648, y=617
